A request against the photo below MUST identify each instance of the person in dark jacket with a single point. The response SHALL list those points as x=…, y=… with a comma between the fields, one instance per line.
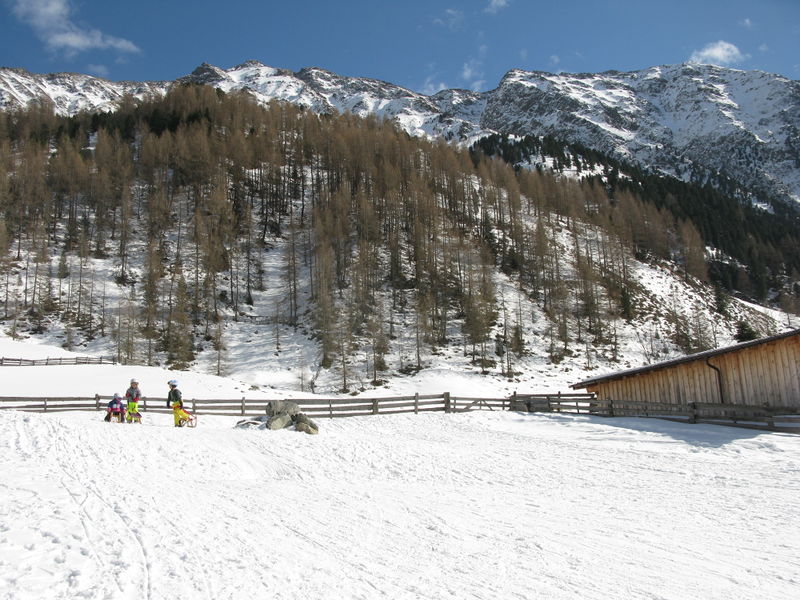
x=175, y=401
x=115, y=410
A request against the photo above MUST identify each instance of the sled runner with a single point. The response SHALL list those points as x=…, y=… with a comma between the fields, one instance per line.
x=115, y=416
x=186, y=419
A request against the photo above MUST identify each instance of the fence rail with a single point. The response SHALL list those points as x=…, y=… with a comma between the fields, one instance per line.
x=59, y=360
x=781, y=418
x=319, y=407
x=562, y=403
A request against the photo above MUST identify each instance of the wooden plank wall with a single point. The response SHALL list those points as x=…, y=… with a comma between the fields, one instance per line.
x=767, y=374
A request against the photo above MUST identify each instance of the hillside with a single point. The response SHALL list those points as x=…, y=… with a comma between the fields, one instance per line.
x=727, y=219
x=691, y=121
x=339, y=254
x=482, y=505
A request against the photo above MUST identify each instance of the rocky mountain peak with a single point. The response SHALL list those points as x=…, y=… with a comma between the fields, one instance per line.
x=686, y=119
x=207, y=74
x=249, y=64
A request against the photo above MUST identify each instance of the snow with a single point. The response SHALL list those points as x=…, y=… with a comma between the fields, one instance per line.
x=697, y=110
x=267, y=357
x=485, y=504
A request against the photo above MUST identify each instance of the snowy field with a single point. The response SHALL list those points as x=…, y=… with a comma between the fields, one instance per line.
x=482, y=505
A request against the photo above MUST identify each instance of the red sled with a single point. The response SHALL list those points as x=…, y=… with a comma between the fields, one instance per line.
x=187, y=419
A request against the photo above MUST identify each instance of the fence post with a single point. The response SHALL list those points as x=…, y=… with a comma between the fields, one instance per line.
x=692, y=412
x=193, y=406
x=446, y=397
x=416, y=403
x=330, y=408
x=374, y=406
x=144, y=403
x=611, y=407
x=242, y=405
x=97, y=401
x=45, y=405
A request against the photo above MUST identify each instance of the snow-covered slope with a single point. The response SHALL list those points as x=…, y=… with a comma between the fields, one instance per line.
x=689, y=120
x=484, y=505
x=450, y=114
x=69, y=93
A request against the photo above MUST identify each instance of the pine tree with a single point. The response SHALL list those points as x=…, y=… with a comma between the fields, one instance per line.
x=693, y=251
x=220, y=348
x=179, y=342
x=379, y=342
x=153, y=272
x=5, y=271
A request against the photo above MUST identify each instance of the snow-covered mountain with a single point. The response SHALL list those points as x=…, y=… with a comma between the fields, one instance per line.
x=688, y=120
x=70, y=93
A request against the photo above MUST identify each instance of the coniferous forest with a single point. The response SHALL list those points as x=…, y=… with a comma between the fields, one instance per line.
x=188, y=195
x=763, y=242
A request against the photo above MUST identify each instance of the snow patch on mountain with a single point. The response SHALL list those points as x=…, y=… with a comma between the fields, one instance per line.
x=686, y=120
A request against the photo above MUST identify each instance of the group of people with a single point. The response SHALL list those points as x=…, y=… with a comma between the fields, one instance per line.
x=128, y=411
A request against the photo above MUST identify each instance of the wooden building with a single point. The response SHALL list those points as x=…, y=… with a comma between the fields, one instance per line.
x=763, y=372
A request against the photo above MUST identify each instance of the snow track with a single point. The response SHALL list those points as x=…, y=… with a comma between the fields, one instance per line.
x=478, y=505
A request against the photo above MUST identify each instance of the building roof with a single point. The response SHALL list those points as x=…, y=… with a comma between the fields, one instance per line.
x=684, y=359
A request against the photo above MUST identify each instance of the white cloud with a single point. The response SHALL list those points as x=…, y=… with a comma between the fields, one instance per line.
x=718, y=53
x=431, y=86
x=763, y=48
x=746, y=23
x=52, y=22
x=470, y=70
x=452, y=19
x=496, y=6
x=555, y=59
x=100, y=70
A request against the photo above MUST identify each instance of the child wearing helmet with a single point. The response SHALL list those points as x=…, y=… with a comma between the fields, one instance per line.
x=175, y=400
x=115, y=410
x=132, y=396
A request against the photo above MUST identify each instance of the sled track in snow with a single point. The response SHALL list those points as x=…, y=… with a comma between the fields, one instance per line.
x=104, y=517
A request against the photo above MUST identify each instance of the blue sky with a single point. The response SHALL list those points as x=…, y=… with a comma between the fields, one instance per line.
x=422, y=45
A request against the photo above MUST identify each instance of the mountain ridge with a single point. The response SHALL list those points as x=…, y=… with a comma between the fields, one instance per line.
x=685, y=120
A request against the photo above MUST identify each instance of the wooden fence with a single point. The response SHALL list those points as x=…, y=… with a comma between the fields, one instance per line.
x=72, y=360
x=313, y=407
x=773, y=418
x=783, y=418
